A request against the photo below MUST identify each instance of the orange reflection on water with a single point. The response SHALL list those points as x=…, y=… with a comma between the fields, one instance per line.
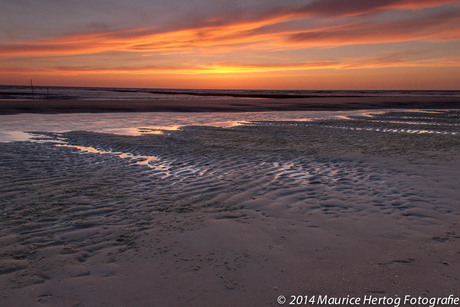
x=84, y=148
x=151, y=161
x=157, y=129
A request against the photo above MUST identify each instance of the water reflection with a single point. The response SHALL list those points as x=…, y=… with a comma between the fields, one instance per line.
x=13, y=127
x=84, y=148
x=15, y=135
x=139, y=160
x=164, y=168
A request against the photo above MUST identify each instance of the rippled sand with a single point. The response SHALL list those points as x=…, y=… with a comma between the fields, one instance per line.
x=207, y=216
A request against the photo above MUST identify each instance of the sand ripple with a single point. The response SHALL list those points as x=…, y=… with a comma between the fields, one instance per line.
x=87, y=197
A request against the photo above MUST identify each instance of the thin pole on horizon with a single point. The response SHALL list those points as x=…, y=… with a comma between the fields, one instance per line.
x=32, y=87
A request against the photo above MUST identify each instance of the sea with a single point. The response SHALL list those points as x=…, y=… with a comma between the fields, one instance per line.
x=26, y=126
x=112, y=93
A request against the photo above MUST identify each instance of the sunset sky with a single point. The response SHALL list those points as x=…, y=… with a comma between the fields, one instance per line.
x=260, y=44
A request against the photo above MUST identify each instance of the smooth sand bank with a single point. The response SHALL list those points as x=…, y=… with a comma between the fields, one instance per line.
x=233, y=217
x=228, y=105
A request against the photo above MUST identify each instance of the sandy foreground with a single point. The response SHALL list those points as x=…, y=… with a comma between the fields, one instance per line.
x=209, y=216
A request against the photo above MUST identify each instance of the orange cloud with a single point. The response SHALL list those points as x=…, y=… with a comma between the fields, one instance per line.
x=271, y=32
x=359, y=7
x=228, y=68
x=140, y=40
x=441, y=27
x=275, y=43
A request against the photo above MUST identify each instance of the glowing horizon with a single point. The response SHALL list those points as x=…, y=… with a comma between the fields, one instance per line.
x=326, y=44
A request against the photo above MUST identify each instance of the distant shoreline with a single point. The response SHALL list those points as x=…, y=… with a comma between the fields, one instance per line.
x=51, y=106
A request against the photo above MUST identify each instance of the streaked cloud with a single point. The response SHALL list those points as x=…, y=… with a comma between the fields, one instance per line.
x=439, y=27
x=268, y=33
x=360, y=7
x=252, y=37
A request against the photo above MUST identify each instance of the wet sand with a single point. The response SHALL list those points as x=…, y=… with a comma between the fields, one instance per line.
x=229, y=105
x=233, y=216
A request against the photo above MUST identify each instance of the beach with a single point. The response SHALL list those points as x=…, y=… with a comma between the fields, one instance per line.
x=351, y=205
x=230, y=153
x=230, y=104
